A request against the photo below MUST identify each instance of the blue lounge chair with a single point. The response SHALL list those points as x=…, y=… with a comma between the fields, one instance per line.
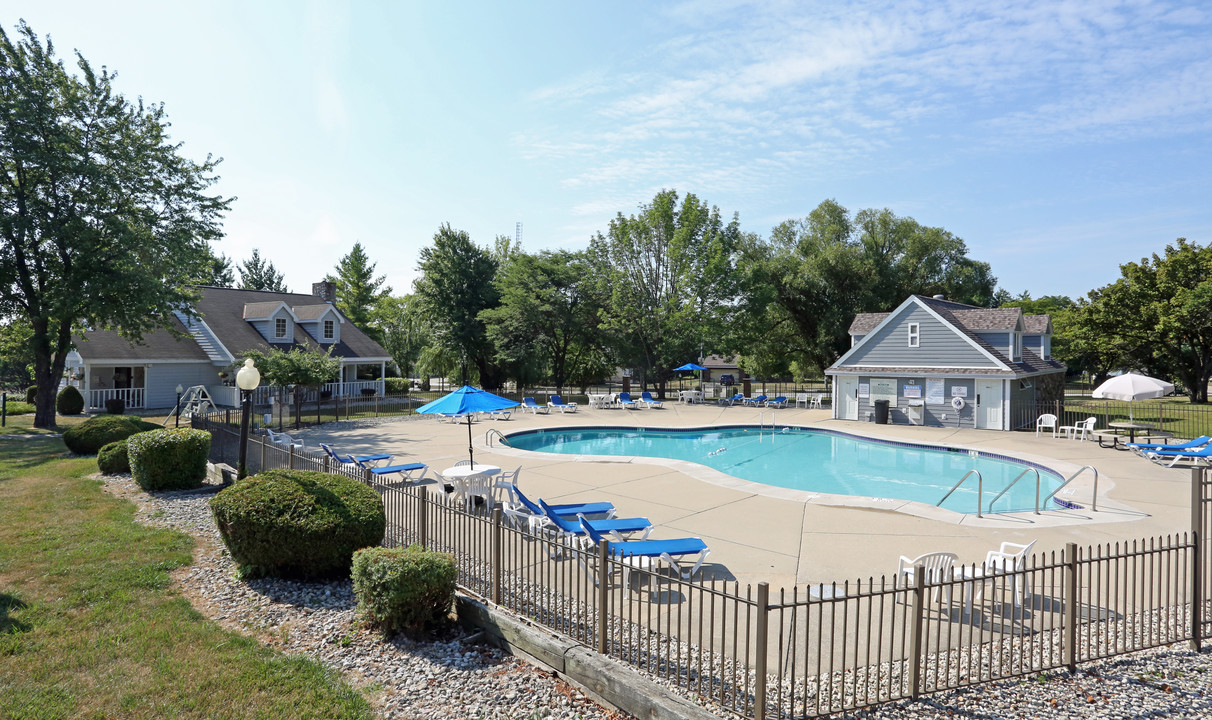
x=567, y=509
x=730, y=401
x=528, y=403
x=649, y=401
x=756, y=401
x=780, y=401
x=557, y=402
x=350, y=459
x=636, y=553
x=626, y=401
x=1142, y=448
x=572, y=531
x=1160, y=456
x=405, y=471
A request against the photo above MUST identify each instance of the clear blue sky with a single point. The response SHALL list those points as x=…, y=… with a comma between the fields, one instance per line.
x=1059, y=139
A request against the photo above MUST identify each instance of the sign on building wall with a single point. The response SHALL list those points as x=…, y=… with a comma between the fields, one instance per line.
x=884, y=389
x=934, y=392
x=959, y=391
x=864, y=390
x=912, y=391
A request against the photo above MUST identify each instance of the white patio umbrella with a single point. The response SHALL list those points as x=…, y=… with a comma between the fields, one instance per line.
x=1132, y=387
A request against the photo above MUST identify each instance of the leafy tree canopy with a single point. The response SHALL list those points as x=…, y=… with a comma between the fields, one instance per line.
x=403, y=330
x=216, y=271
x=103, y=221
x=259, y=274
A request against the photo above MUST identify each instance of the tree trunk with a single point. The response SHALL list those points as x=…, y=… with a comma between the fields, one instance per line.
x=48, y=368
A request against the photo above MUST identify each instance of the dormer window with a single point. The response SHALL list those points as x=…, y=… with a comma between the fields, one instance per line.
x=280, y=327
x=915, y=335
x=1017, y=350
x=330, y=330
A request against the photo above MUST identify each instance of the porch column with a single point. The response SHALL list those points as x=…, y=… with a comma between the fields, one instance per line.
x=382, y=377
x=88, y=396
x=341, y=381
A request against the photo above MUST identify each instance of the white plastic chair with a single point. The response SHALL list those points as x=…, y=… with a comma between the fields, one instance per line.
x=817, y=399
x=802, y=398
x=1009, y=557
x=1045, y=421
x=283, y=439
x=1080, y=429
x=937, y=565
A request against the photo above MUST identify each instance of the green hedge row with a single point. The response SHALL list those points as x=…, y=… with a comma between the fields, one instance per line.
x=403, y=589
x=173, y=459
x=90, y=436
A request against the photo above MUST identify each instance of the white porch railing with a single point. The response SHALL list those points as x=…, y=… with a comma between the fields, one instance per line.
x=133, y=397
x=354, y=388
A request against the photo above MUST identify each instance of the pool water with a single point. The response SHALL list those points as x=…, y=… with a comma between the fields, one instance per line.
x=815, y=461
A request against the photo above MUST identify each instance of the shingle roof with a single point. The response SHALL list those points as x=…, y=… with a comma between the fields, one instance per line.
x=1037, y=324
x=311, y=312
x=259, y=310
x=223, y=310
x=866, y=322
x=989, y=318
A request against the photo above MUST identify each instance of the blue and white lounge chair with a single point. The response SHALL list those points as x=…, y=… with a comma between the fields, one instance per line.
x=1161, y=456
x=567, y=509
x=730, y=401
x=756, y=401
x=636, y=553
x=780, y=401
x=557, y=402
x=528, y=403
x=351, y=459
x=405, y=471
x=570, y=529
x=649, y=401
x=626, y=401
x=1142, y=448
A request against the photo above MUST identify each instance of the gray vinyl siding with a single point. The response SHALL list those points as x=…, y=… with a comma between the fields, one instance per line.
x=266, y=327
x=932, y=415
x=162, y=381
x=940, y=345
x=1039, y=344
x=1001, y=341
x=316, y=330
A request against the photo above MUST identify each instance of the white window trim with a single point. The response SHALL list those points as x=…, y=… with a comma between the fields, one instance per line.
x=280, y=323
x=915, y=335
x=329, y=329
x=1016, y=347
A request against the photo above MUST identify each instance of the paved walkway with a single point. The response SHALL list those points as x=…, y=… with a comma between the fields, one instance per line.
x=758, y=532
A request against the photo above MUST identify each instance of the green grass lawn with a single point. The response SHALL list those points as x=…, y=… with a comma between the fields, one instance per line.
x=89, y=627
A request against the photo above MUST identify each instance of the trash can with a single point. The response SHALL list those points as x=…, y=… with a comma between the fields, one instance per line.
x=881, y=412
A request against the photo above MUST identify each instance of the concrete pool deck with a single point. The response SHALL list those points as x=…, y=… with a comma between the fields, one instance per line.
x=786, y=537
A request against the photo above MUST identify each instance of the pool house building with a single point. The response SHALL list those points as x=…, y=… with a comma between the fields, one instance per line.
x=947, y=364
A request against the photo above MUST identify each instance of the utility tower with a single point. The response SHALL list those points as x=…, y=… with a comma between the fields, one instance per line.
x=517, y=235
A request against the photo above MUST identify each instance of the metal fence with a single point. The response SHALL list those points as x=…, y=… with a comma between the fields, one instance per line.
x=1179, y=420
x=816, y=650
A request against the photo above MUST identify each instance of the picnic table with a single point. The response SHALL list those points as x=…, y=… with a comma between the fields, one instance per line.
x=1119, y=427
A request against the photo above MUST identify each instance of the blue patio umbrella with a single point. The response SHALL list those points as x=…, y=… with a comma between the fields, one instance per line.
x=467, y=400
x=688, y=367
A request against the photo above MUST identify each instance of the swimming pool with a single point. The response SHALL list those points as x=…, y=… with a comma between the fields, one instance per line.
x=815, y=460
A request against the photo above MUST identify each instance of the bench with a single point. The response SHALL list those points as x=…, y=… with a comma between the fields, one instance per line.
x=1115, y=435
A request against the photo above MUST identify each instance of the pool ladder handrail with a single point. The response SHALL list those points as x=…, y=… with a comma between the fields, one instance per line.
x=1082, y=469
x=1012, y=482
x=980, y=489
x=494, y=433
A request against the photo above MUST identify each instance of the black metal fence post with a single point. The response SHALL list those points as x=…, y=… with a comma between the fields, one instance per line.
x=1070, y=600
x=918, y=603
x=1198, y=522
x=762, y=647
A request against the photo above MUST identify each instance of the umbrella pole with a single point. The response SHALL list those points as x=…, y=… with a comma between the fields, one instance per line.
x=469, y=454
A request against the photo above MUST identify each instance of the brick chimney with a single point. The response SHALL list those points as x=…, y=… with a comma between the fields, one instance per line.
x=325, y=290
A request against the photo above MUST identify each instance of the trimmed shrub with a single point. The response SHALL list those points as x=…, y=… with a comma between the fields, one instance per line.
x=70, y=401
x=115, y=406
x=298, y=523
x=113, y=458
x=403, y=589
x=95, y=433
x=31, y=394
x=173, y=459
x=396, y=385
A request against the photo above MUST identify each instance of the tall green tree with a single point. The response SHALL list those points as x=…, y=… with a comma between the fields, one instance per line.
x=297, y=368
x=669, y=271
x=16, y=353
x=403, y=330
x=257, y=273
x=455, y=286
x=358, y=290
x=1160, y=312
x=216, y=271
x=548, y=316
x=803, y=286
x=104, y=222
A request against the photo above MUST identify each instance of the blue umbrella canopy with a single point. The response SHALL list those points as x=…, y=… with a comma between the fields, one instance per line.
x=467, y=400
x=689, y=366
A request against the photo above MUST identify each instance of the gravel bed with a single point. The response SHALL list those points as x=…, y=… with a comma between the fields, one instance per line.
x=450, y=677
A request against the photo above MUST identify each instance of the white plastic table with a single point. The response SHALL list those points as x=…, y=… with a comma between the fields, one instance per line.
x=690, y=396
x=600, y=400
x=462, y=472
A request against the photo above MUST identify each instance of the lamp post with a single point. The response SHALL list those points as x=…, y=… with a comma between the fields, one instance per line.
x=177, y=407
x=247, y=380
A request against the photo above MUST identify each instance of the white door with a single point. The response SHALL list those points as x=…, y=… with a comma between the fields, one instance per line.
x=847, y=397
x=989, y=405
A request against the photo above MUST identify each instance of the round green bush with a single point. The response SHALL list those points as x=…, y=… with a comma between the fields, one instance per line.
x=395, y=385
x=115, y=406
x=173, y=459
x=95, y=433
x=403, y=588
x=298, y=523
x=113, y=459
x=70, y=401
x=31, y=394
